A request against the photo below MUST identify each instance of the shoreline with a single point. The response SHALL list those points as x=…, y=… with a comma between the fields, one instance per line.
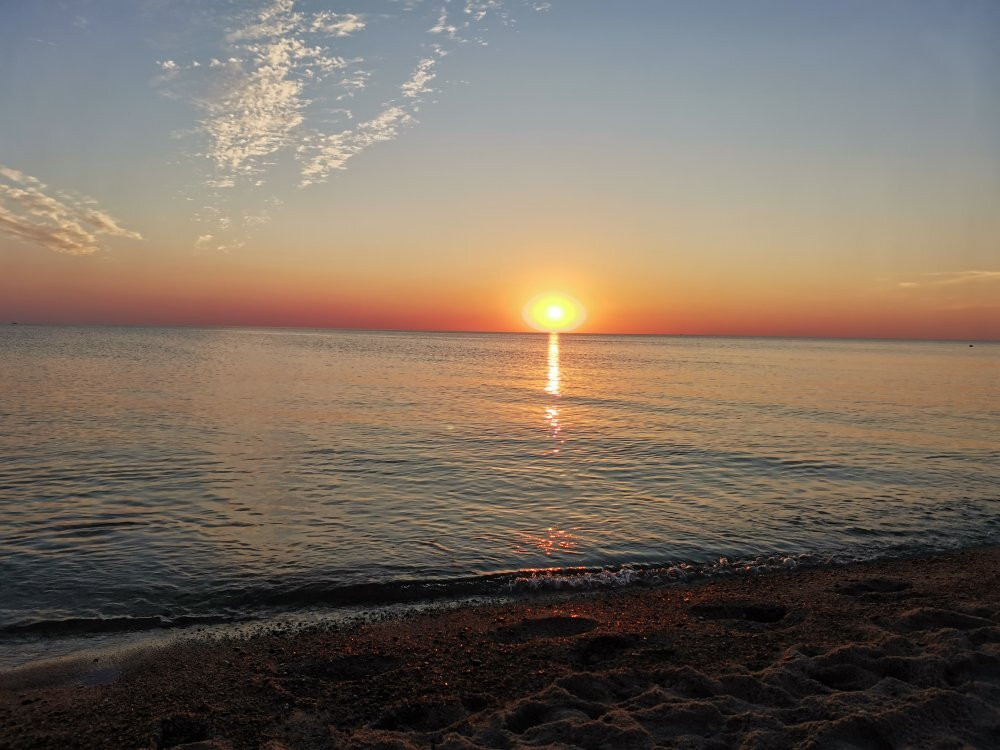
x=894, y=651
x=54, y=647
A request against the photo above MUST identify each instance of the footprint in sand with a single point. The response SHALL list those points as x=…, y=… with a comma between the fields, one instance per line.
x=180, y=729
x=544, y=627
x=746, y=611
x=873, y=588
x=930, y=618
x=343, y=668
x=422, y=715
x=603, y=648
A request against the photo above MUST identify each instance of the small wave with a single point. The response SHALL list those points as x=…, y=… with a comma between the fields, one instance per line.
x=652, y=575
x=233, y=607
x=588, y=579
x=88, y=625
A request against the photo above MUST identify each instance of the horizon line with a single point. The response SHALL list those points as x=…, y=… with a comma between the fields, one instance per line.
x=506, y=332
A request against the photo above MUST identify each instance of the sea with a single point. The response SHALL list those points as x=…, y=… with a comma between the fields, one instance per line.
x=154, y=479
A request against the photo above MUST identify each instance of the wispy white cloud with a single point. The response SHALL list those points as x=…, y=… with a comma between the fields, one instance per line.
x=337, y=24
x=353, y=82
x=218, y=244
x=262, y=98
x=55, y=220
x=331, y=152
x=263, y=103
x=416, y=85
x=443, y=27
x=478, y=9
x=950, y=278
x=254, y=98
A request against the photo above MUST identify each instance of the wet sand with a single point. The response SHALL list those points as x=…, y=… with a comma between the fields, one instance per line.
x=902, y=653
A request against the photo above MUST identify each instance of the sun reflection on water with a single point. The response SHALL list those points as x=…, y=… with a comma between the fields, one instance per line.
x=552, y=388
x=551, y=541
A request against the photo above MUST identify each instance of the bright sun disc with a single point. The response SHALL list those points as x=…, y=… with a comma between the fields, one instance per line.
x=554, y=312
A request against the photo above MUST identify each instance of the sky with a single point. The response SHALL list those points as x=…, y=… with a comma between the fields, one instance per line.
x=774, y=167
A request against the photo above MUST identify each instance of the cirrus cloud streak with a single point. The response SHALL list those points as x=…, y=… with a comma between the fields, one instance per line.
x=58, y=221
x=277, y=96
x=951, y=278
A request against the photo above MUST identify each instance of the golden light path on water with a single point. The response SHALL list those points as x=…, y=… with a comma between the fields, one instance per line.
x=552, y=540
x=552, y=388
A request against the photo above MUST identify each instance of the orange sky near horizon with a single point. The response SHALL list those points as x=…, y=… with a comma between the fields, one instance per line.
x=220, y=292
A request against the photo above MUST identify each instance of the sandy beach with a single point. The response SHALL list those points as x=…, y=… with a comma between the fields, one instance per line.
x=902, y=653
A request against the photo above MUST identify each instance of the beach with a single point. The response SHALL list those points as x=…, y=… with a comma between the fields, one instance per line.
x=890, y=653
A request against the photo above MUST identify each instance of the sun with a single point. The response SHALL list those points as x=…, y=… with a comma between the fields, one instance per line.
x=554, y=312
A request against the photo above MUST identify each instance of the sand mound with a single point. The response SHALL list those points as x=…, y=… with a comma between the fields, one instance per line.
x=927, y=678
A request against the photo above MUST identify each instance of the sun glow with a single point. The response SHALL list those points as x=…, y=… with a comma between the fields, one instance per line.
x=553, y=312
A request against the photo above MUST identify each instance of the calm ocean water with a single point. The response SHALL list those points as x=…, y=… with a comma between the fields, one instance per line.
x=174, y=475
